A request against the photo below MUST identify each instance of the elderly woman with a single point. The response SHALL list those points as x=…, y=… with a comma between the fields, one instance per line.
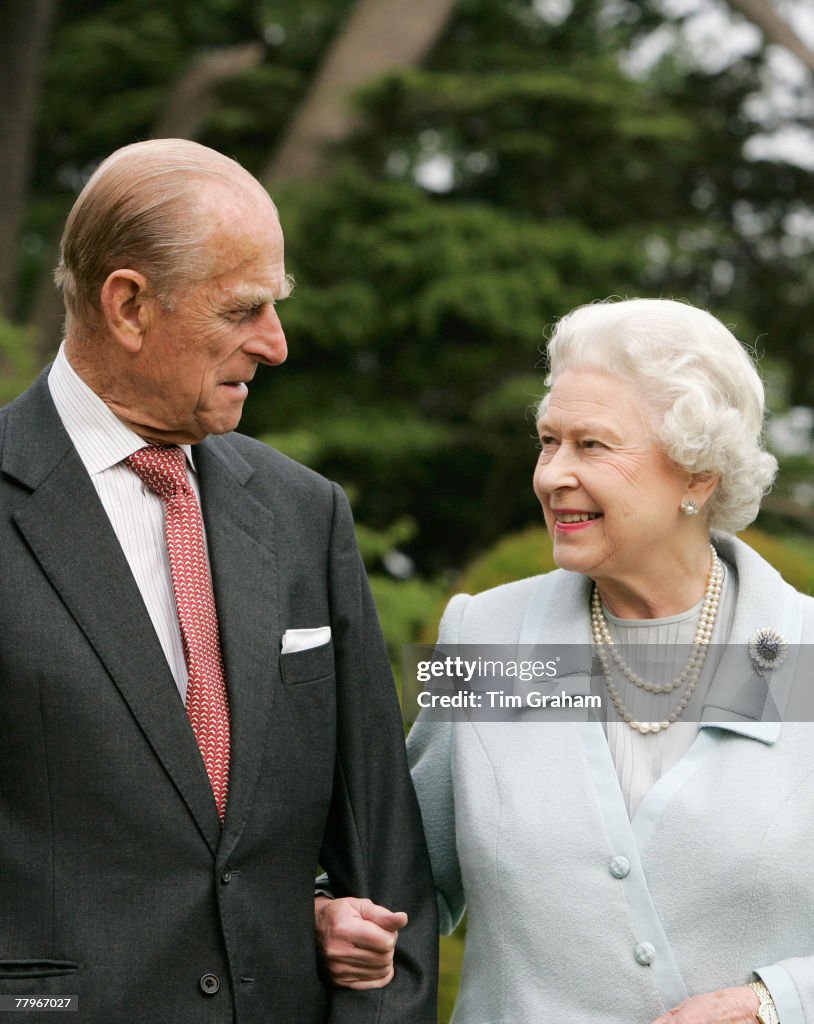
x=657, y=865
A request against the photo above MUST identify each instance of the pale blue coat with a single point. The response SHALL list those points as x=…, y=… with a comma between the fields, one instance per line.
x=575, y=913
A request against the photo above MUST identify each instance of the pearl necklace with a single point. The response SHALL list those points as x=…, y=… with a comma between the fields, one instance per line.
x=689, y=675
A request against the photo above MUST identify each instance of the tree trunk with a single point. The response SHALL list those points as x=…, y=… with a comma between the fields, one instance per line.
x=379, y=36
x=774, y=28
x=193, y=95
x=24, y=28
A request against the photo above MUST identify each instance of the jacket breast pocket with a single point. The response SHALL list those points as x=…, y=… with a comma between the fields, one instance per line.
x=309, y=666
x=35, y=969
x=46, y=981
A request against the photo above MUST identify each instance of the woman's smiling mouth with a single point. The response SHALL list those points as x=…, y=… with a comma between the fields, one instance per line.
x=571, y=520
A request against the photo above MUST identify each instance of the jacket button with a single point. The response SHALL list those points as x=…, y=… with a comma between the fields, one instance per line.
x=619, y=867
x=210, y=984
x=226, y=876
x=645, y=953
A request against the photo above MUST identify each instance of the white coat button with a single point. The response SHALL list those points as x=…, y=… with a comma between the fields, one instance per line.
x=619, y=867
x=645, y=953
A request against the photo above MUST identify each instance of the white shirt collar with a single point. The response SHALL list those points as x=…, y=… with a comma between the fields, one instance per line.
x=101, y=439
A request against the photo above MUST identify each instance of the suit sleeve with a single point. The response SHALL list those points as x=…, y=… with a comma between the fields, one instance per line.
x=430, y=752
x=374, y=843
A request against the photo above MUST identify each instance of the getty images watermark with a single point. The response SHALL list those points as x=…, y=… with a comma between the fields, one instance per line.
x=494, y=681
x=510, y=683
x=473, y=674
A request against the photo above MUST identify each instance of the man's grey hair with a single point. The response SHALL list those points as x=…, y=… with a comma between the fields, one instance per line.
x=142, y=210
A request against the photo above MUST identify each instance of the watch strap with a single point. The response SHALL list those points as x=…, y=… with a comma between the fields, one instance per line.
x=767, y=1011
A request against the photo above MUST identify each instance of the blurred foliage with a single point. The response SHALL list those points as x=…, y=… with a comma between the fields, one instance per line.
x=529, y=553
x=113, y=63
x=449, y=973
x=18, y=365
x=792, y=557
x=512, y=558
x=402, y=606
x=111, y=68
x=520, y=172
x=376, y=544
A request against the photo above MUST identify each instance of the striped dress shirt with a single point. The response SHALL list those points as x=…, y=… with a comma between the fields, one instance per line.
x=136, y=514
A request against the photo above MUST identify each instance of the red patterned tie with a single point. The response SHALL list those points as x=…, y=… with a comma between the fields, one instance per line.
x=163, y=470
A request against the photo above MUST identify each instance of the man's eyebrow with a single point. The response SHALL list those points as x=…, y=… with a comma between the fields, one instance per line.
x=289, y=284
x=248, y=296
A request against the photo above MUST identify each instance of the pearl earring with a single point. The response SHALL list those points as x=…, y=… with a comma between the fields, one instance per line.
x=689, y=507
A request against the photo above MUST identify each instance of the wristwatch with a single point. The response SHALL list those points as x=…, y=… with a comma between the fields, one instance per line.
x=766, y=1013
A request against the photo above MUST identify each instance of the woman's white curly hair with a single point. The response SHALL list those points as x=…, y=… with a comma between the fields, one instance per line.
x=705, y=393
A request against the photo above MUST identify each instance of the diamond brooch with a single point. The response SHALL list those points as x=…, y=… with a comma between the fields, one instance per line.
x=767, y=649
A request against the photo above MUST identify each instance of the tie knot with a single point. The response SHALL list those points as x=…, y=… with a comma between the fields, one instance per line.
x=161, y=467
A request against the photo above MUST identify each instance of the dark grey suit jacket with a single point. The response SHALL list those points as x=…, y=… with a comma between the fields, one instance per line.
x=116, y=881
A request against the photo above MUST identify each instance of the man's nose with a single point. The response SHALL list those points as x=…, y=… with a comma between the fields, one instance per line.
x=267, y=343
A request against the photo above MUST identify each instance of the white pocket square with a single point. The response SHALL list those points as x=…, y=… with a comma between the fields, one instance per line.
x=303, y=639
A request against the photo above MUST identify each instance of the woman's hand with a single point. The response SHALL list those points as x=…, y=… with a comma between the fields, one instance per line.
x=726, y=1006
x=357, y=939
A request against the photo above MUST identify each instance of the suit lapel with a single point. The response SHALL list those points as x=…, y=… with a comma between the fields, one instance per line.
x=70, y=536
x=239, y=533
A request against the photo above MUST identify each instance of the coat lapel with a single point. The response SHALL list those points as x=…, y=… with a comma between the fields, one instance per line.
x=70, y=536
x=558, y=616
x=739, y=698
x=239, y=533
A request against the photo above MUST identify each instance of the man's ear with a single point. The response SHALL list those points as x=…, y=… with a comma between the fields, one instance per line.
x=701, y=487
x=125, y=306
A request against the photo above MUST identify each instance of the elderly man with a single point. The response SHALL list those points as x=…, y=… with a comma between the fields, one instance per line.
x=197, y=704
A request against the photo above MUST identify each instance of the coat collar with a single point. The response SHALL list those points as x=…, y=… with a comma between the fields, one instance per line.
x=739, y=700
